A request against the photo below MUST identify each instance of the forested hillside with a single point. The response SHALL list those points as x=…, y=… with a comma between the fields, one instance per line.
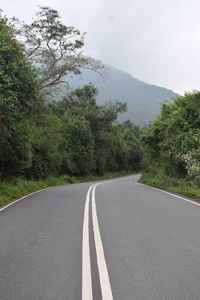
x=143, y=100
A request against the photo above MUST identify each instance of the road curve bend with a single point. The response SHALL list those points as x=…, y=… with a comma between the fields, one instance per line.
x=110, y=240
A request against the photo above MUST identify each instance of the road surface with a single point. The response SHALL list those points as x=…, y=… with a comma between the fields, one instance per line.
x=111, y=240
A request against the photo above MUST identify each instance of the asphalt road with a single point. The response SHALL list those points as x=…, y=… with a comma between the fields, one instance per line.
x=116, y=240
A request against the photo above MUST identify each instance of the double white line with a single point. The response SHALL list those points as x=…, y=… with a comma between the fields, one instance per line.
x=86, y=262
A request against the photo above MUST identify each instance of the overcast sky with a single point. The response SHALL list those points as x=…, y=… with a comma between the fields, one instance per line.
x=157, y=41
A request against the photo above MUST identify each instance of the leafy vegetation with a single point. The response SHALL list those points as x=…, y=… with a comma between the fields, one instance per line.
x=44, y=143
x=19, y=100
x=172, y=146
x=41, y=140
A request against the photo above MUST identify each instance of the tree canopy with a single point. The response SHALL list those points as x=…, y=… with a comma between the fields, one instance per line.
x=54, y=48
x=18, y=101
x=173, y=139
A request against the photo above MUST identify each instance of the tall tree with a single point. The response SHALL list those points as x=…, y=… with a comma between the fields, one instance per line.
x=54, y=48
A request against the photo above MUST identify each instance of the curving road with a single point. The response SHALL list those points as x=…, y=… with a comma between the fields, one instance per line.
x=111, y=240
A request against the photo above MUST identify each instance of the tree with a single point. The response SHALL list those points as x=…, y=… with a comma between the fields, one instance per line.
x=46, y=140
x=93, y=139
x=78, y=150
x=173, y=138
x=18, y=101
x=54, y=48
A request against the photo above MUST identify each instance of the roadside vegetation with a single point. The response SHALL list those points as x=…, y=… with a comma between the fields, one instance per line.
x=44, y=143
x=20, y=187
x=172, y=147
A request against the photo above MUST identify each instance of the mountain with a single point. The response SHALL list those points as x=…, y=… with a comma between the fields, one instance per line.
x=143, y=100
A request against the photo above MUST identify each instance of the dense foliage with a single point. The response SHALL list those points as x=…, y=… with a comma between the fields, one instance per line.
x=75, y=136
x=172, y=141
x=96, y=143
x=18, y=102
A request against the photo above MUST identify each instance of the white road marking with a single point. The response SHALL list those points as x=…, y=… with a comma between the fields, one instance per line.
x=106, y=290
x=13, y=202
x=86, y=261
x=171, y=194
x=101, y=262
x=86, y=264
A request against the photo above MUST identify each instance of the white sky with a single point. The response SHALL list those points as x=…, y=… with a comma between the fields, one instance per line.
x=157, y=41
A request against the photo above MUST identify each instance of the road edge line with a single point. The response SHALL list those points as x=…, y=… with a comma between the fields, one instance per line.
x=169, y=193
x=17, y=200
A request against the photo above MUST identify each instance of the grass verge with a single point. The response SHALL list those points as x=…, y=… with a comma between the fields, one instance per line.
x=21, y=187
x=180, y=186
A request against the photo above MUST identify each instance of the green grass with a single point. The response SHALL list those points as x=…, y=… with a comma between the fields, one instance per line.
x=21, y=187
x=184, y=187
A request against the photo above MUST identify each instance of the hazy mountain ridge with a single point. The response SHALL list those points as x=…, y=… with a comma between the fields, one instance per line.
x=143, y=100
